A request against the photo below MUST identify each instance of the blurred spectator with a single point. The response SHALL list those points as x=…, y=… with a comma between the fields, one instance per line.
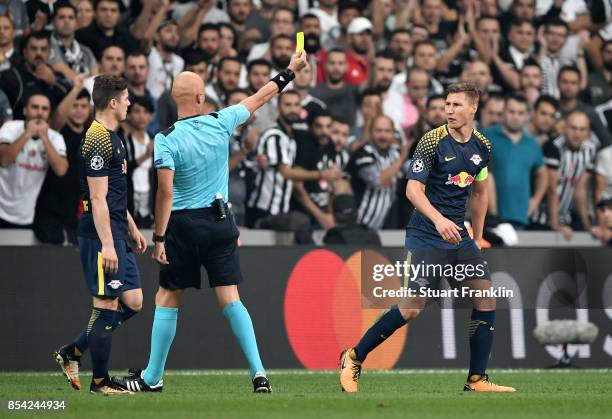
x=316, y=152
x=6, y=112
x=268, y=205
x=282, y=23
x=16, y=9
x=424, y=57
x=552, y=37
x=417, y=83
x=346, y=229
x=227, y=80
x=249, y=25
x=111, y=63
x=310, y=104
x=400, y=45
x=479, y=73
x=604, y=215
x=340, y=132
x=312, y=45
x=361, y=51
x=339, y=96
x=374, y=169
x=543, y=118
x=382, y=77
x=600, y=80
x=258, y=74
x=241, y=166
x=530, y=81
x=492, y=111
x=136, y=74
x=7, y=48
x=516, y=157
x=228, y=42
x=348, y=10
x=569, y=159
x=433, y=117
x=67, y=55
x=28, y=148
x=370, y=106
x=139, y=147
x=521, y=37
x=569, y=88
x=327, y=12
x=603, y=170
x=33, y=75
x=85, y=13
x=195, y=61
x=164, y=64
x=105, y=30
x=282, y=46
x=191, y=14
x=432, y=12
x=55, y=219
x=209, y=41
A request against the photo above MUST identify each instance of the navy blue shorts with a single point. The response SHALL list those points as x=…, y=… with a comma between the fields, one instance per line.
x=196, y=238
x=429, y=265
x=102, y=284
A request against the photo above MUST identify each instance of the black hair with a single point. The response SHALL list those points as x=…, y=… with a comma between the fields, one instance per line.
x=552, y=101
x=142, y=101
x=571, y=69
x=259, y=61
x=196, y=57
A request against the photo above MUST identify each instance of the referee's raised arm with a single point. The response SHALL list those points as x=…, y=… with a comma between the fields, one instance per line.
x=277, y=84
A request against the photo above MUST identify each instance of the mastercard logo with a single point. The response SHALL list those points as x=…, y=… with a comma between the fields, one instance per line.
x=324, y=315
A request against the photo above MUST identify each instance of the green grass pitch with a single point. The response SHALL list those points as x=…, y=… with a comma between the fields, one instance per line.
x=304, y=394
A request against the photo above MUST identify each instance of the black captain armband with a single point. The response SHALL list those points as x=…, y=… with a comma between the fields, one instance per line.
x=283, y=78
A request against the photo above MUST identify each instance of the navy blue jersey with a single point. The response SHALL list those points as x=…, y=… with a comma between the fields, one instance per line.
x=447, y=168
x=103, y=154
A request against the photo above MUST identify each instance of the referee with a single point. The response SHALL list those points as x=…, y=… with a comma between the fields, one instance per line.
x=193, y=226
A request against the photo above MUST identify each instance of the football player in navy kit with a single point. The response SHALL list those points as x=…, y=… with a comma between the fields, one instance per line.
x=449, y=165
x=109, y=265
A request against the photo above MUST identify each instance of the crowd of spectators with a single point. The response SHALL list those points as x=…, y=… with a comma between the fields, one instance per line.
x=331, y=151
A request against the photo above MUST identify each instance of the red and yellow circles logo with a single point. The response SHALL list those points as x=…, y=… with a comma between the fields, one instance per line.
x=323, y=313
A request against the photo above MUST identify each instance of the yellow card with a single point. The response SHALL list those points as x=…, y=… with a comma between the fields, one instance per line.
x=299, y=42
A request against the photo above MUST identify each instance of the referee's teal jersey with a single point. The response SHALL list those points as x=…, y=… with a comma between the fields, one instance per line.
x=197, y=149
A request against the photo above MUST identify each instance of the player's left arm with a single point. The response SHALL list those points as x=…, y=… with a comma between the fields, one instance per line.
x=136, y=236
x=479, y=201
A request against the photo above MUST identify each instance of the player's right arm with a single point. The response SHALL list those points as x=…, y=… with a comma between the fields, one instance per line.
x=420, y=166
x=97, y=152
x=270, y=89
x=98, y=188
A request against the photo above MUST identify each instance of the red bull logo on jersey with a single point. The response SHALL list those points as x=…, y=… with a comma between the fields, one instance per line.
x=462, y=179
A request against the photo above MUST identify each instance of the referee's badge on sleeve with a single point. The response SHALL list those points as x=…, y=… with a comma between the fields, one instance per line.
x=417, y=166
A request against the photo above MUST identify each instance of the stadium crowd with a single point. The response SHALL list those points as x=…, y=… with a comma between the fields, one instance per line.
x=330, y=153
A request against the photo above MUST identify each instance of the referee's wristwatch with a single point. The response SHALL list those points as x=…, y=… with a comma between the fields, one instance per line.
x=158, y=239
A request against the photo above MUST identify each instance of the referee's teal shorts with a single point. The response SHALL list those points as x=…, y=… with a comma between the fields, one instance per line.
x=196, y=238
